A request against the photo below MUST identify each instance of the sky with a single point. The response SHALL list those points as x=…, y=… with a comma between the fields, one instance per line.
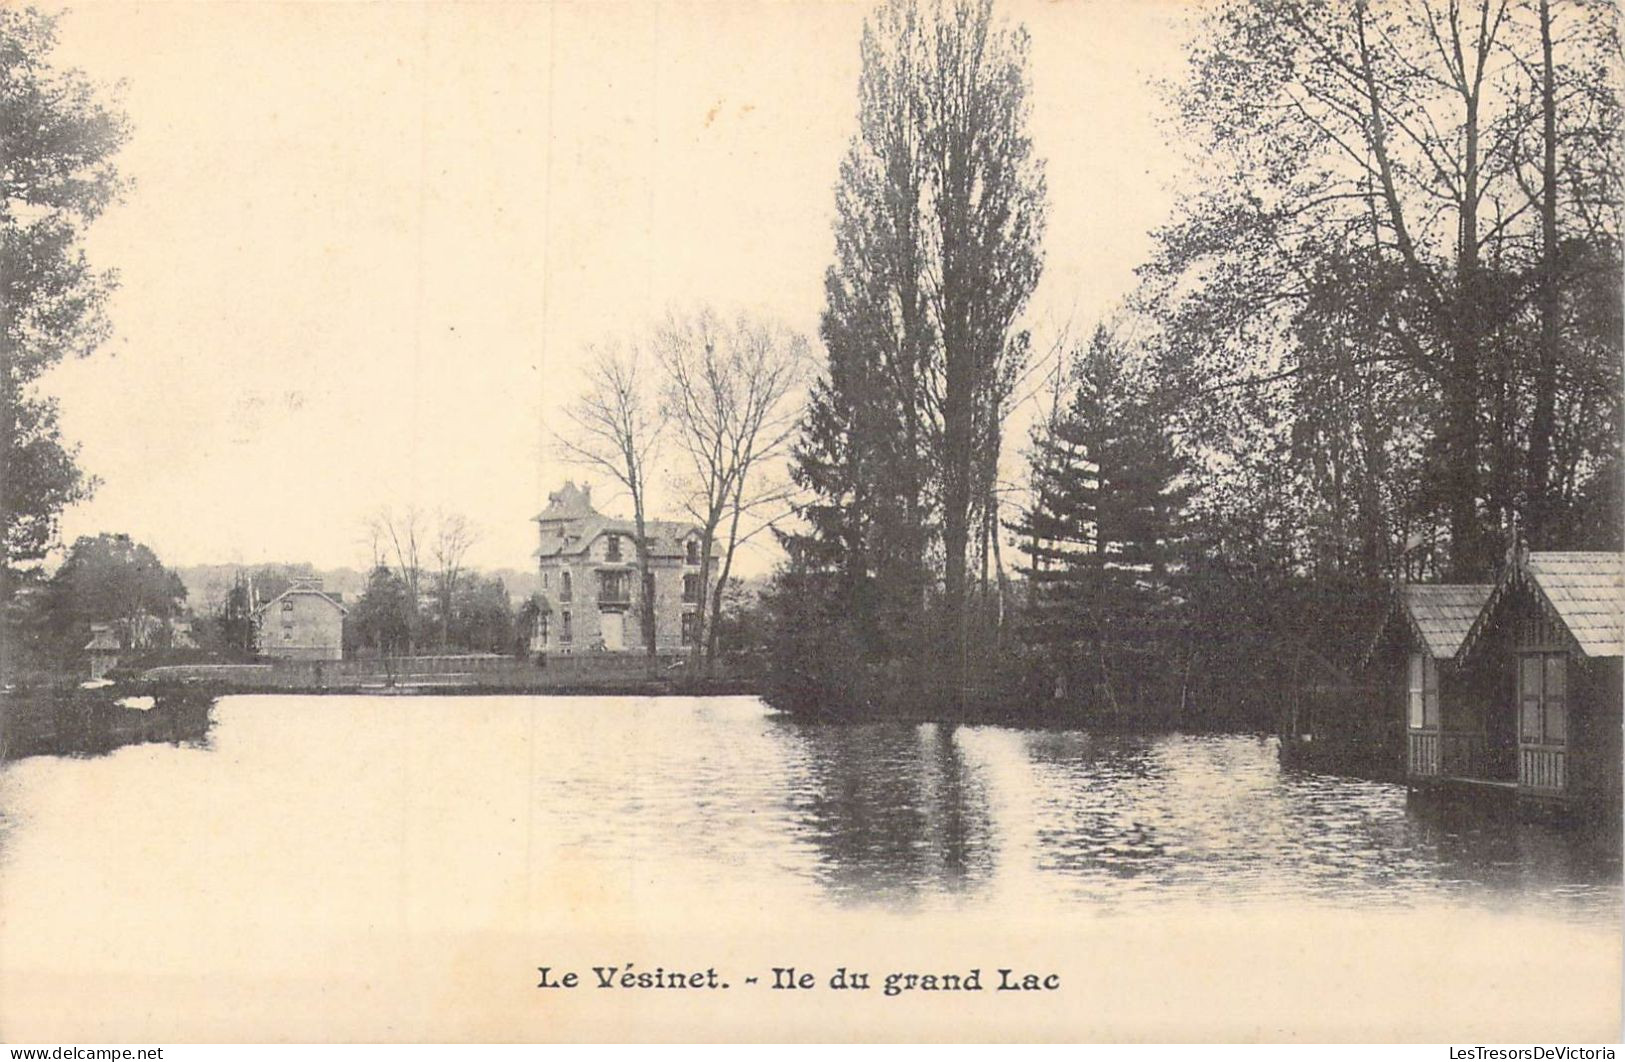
x=365, y=243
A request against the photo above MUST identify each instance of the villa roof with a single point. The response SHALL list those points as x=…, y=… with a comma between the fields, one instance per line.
x=580, y=525
x=307, y=589
x=1583, y=592
x=568, y=503
x=666, y=537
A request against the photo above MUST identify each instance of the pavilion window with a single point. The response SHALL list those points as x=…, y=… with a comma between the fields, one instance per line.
x=1543, y=698
x=1422, y=694
x=1556, y=716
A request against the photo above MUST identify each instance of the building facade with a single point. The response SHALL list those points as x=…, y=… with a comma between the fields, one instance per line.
x=301, y=623
x=103, y=650
x=1553, y=632
x=588, y=564
x=1439, y=700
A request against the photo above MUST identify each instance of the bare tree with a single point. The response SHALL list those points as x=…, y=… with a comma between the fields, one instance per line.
x=616, y=425
x=729, y=391
x=454, y=534
x=399, y=539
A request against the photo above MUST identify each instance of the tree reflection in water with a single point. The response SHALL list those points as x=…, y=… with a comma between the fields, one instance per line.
x=908, y=814
x=892, y=811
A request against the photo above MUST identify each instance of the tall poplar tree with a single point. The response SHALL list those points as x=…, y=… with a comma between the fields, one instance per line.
x=939, y=216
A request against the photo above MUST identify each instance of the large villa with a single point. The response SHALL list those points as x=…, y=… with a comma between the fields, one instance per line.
x=589, y=570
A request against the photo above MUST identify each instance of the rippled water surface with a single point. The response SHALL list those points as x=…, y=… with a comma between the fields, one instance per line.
x=883, y=813
x=354, y=818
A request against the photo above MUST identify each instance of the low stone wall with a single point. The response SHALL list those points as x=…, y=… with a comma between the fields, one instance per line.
x=460, y=671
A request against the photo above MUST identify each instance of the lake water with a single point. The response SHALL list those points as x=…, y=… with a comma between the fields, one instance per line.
x=397, y=868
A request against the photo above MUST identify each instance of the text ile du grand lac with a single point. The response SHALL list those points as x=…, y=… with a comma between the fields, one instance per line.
x=631, y=977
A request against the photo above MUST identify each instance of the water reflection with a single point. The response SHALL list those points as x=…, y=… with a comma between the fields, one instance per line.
x=498, y=797
x=387, y=865
x=890, y=811
x=902, y=813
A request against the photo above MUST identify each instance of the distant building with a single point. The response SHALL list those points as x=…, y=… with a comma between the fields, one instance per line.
x=302, y=623
x=104, y=650
x=589, y=570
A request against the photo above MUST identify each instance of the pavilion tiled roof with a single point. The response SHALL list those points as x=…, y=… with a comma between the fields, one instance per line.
x=1441, y=616
x=1583, y=593
x=1586, y=591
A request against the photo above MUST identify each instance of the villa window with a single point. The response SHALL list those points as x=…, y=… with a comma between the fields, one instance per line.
x=614, y=588
x=564, y=586
x=691, y=626
x=691, y=589
x=612, y=547
x=544, y=580
x=564, y=628
x=693, y=551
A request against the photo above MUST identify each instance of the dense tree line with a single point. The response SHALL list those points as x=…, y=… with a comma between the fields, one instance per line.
x=106, y=580
x=1400, y=277
x=1387, y=323
x=473, y=614
x=1380, y=338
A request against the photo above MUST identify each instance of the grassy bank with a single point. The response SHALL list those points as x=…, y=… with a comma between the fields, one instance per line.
x=58, y=720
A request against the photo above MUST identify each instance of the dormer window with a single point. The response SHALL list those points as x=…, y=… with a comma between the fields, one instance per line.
x=612, y=547
x=693, y=548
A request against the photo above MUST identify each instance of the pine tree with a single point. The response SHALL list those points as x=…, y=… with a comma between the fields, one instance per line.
x=1101, y=536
